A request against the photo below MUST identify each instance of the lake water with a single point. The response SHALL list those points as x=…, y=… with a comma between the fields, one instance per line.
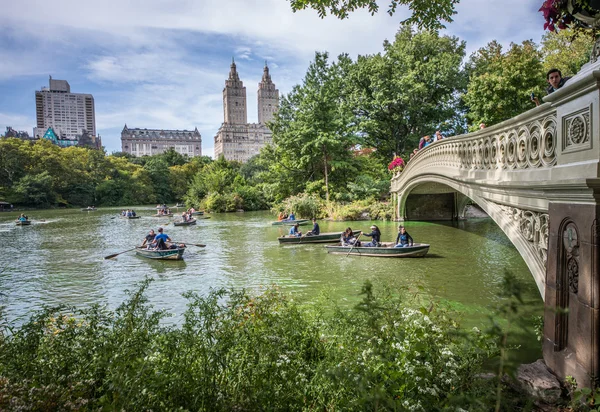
x=59, y=260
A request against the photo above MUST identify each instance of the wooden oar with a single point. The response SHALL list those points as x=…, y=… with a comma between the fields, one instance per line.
x=355, y=242
x=193, y=244
x=117, y=254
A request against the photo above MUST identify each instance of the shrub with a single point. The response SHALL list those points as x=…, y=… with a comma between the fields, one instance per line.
x=240, y=352
x=303, y=205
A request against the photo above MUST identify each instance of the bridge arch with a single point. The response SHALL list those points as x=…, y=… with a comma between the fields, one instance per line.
x=527, y=230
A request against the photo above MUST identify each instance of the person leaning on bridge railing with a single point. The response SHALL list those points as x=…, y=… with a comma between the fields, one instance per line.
x=555, y=82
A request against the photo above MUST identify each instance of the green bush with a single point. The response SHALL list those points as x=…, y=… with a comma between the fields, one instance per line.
x=240, y=352
x=303, y=205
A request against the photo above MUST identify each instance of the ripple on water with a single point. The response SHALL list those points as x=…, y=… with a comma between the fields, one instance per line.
x=60, y=261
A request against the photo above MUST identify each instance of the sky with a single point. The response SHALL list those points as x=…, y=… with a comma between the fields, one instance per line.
x=162, y=64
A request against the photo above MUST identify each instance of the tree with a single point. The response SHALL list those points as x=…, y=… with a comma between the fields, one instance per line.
x=427, y=14
x=407, y=91
x=36, y=190
x=566, y=50
x=312, y=133
x=500, y=84
x=158, y=171
x=174, y=158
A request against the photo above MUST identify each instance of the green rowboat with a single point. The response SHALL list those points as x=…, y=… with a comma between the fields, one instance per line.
x=129, y=217
x=290, y=222
x=167, y=254
x=330, y=237
x=386, y=249
x=188, y=223
x=23, y=222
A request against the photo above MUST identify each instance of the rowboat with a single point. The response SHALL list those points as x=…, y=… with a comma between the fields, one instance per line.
x=386, y=249
x=165, y=215
x=23, y=222
x=290, y=222
x=330, y=237
x=188, y=223
x=89, y=209
x=197, y=213
x=167, y=254
x=130, y=217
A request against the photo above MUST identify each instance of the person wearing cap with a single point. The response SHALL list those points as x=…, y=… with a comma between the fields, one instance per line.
x=403, y=239
x=375, y=235
x=315, y=230
x=294, y=231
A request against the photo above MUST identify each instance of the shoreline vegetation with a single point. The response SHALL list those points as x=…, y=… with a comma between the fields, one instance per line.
x=237, y=351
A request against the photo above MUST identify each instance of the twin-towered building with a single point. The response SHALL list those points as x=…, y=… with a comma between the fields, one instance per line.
x=236, y=139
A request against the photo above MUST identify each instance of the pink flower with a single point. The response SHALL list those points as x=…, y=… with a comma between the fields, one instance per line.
x=397, y=162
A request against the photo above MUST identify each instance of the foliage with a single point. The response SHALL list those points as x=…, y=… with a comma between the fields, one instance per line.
x=406, y=92
x=36, y=190
x=240, y=352
x=425, y=13
x=566, y=50
x=367, y=209
x=558, y=16
x=582, y=399
x=304, y=206
x=500, y=84
x=312, y=133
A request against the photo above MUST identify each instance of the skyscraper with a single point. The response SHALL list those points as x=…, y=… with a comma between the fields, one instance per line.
x=237, y=139
x=69, y=114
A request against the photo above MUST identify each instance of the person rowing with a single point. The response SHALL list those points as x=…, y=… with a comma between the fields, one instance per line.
x=294, y=231
x=161, y=239
x=348, y=238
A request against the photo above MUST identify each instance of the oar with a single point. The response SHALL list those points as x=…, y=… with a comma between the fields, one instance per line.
x=355, y=242
x=117, y=254
x=193, y=244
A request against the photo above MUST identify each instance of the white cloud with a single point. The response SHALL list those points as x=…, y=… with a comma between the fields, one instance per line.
x=160, y=63
x=16, y=121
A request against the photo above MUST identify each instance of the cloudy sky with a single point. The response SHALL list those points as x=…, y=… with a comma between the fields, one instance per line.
x=163, y=63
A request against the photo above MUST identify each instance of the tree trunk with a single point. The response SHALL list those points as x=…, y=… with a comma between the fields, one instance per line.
x=326, y=176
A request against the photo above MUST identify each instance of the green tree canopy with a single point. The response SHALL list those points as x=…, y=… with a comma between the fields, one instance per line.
x=407, y=91
x=427, y=14
x=312, y=131
x=500, y=84
x=566, y=50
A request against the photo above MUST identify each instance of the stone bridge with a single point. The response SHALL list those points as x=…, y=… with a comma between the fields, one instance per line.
x=538, y=177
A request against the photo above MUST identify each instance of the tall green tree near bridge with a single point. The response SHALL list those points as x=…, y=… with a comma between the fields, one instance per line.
x=500, y=83
x=407, y=91
x=566, y=50
x=312, y=131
